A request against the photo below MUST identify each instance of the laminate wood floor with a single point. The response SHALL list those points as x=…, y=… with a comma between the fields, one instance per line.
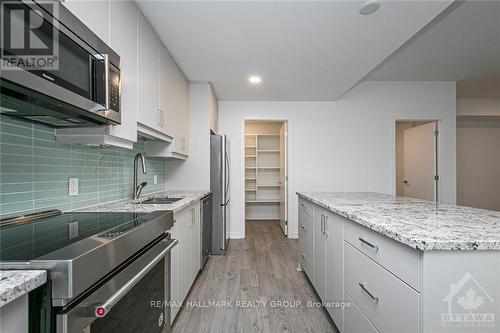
x=252, y=278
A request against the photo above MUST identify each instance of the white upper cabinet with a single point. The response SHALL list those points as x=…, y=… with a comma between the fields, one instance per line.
x=154, y=91
x=115, y=22
x=167, y=66
x=181, y=104
x=179, y=147
x=94, y=14
x=148, y=115
x=123, y=39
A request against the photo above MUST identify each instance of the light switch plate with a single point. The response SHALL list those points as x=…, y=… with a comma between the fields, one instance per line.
x=73, y=187
x=155, y=179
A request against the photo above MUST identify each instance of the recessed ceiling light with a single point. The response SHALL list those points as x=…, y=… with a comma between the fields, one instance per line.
x=369, y=7
x=254, y=79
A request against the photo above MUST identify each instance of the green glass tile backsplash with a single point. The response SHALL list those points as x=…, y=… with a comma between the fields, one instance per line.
x=34, y=170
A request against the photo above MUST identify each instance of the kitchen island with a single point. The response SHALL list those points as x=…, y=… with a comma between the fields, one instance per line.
x=401, y=264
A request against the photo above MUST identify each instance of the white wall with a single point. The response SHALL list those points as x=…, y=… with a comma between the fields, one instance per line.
x=194, y=173
x=347, y=145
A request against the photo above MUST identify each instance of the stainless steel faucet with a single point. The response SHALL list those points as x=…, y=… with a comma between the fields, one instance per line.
x=138, y=188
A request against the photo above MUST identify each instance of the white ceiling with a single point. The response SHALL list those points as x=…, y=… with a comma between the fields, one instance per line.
x=465, y=44
x=303, y=50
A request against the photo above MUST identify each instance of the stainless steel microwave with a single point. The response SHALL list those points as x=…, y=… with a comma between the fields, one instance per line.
x=82, y=90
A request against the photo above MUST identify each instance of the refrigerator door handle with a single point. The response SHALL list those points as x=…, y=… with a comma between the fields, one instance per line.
x=226, y=189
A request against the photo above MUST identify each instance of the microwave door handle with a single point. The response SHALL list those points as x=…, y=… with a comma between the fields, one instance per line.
x=106, y=81
x=101, y=310
x=105, y=60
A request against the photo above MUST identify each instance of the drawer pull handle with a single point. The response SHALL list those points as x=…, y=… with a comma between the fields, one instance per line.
x=363, y=286
x=362, y=240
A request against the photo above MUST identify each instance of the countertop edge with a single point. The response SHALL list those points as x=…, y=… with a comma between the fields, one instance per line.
x=420, y=245
x=16, y=283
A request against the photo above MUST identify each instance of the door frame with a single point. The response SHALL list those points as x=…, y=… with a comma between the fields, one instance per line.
x=289, y=141
x=437, y=165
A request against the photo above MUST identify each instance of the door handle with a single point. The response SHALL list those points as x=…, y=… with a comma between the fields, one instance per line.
x=303, y=226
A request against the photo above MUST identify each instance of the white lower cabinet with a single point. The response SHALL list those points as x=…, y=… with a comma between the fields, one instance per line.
x=185, y=261
x=339, y=272
x=306, y=242
x=174, y=272
x=321, y=239
x=334, y=286
x=354, y=320
x=389, y=303
x=319, y=252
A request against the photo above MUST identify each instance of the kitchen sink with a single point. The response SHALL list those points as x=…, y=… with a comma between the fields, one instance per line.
x=161, y=201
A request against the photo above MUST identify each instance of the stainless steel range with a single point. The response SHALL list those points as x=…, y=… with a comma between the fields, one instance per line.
x=108, y=271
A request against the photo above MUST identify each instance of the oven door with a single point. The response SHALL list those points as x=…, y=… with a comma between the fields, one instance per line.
x=134, y=299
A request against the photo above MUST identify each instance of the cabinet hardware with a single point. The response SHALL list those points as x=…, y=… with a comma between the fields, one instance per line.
x=326, y=226
x=322, y=221
x=303, y=226
x=362, y=240
x=303, y=256
x=363, y=286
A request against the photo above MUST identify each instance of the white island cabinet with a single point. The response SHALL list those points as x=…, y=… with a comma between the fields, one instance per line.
x=401, y=265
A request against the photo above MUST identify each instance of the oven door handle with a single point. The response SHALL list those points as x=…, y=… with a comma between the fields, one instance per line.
x=102, y=310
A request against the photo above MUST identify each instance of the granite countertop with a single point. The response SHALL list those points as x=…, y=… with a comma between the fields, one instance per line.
x=16, y=283
x=420, y=224
x=189, y=197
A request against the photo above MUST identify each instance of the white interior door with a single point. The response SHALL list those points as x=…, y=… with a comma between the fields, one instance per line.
x=283, y=179
x=419, y=160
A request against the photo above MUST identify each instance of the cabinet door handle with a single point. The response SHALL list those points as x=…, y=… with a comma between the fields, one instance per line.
x=303, y=226
x=322, y=220
x=303, y=256
x=326, y=226
x=302, y=205
x=363, y=286
x=362, y=240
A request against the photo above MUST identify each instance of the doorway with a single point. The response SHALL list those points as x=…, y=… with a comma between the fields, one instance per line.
x=416, y=159
x=266, y=172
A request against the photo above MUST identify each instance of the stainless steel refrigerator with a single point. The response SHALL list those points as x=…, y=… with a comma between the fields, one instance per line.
x=219, y=184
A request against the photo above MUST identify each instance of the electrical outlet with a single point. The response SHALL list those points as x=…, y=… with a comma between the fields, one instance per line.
x=155, y=179
x=73, y=187
x=73, y=230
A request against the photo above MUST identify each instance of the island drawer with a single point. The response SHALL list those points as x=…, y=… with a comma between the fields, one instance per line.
x=354, y=320
x=306, y=206
x=400, y=259
x=389, y=303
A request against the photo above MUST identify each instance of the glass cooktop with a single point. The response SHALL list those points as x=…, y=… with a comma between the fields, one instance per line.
x=28, y=237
